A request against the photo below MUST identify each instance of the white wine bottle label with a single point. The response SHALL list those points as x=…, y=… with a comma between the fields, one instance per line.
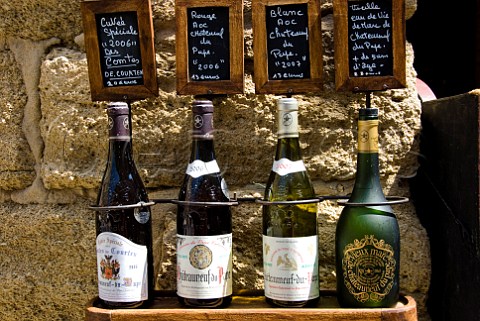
x=199, y=168
x=290, y=268
x=122, y=269
x=285, y=166
x=204, y=266
x=369, y=269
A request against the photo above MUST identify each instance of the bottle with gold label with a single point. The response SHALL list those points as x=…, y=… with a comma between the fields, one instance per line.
x=367, y=241
x=290, y=241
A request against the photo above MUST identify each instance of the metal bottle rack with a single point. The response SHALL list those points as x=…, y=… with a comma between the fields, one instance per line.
x=341, y=200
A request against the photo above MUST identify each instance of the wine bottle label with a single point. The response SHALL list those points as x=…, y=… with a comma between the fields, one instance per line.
x=284, y=166
x=199, y=168
x=122, y=269
x=204, y=266
x=369, y=269
x=290, y=268
x=368, y=136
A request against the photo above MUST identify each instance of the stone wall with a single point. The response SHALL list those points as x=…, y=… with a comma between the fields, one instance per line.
x=54, y=142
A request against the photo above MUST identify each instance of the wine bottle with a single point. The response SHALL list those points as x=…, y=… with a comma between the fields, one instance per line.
x=290, y=241
x=367, y=241
x=124, y=235
x=204, y=231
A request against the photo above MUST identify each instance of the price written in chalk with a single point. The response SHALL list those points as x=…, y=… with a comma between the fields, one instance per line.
x=370, y=38
x=120, y=56
x=288, y=41
x=208, y=43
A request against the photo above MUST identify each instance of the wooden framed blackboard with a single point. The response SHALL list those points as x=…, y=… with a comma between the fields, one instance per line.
x=209, y=47
x=287, y=44
x=120, y=49
x=369, y=44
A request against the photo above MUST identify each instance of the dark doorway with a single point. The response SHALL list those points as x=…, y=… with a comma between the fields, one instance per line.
x=445, y=36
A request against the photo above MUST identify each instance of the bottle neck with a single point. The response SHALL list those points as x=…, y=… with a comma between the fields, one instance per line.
x=202, y=149
x=120, y=141
x=288, y=145
x=367, y=186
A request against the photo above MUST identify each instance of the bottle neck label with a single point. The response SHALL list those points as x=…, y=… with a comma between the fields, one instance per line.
x=287, y=124
x=203, y=126
x=119, y=128
x=199, y=168
x=291, y=268
x=368, y=136
x=284, y=166
x=204, y=266
x=122, y=269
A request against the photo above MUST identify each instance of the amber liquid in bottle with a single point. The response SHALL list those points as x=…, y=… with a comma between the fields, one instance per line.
x=290, y=241
x=124, y=236
x=204, y=232
x=367, y=238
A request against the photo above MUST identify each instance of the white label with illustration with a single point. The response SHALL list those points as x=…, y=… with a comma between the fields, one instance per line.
x=291, y=268
x=122, y=269
x=204, y=266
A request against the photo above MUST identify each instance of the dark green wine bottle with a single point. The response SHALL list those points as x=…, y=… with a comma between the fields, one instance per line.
x=290, y=241
x=204, y=232
x=124, y=236
x=367, y=242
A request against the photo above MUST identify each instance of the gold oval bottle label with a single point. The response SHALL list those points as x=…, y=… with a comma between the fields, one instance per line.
x=368, y=136
x=369, y=269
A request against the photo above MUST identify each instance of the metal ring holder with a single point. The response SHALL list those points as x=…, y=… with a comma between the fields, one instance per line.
x=306, y=201
x=121, y=207
x=391, y=200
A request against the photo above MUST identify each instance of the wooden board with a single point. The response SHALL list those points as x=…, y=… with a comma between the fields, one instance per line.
x=446, y=194
x=287, y=45
x=120, y=50
x=209, y=47
x=369, y=44
x=254, y=307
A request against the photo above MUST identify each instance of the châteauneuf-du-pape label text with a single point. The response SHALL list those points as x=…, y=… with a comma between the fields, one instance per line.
x=204, y=266
x=291, y=268
x=122, y=269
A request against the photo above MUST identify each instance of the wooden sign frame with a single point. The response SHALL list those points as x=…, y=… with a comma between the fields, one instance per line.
x=265, y=85
x=149, y=88
x=343, y=79
x=234, y=85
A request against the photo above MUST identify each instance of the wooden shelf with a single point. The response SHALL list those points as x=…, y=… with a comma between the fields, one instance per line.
x=252, y=307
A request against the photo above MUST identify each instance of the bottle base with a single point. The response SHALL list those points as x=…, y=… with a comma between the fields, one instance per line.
x=123, y=305
x=205, y=303
x=293, y=304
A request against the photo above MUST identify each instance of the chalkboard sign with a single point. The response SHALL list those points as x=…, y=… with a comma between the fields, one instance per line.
x=287, y=46
x=209, y=47
x=120, y=56
x=120, y=51
x=369, y=44
x=287, y=42
x=208, y=43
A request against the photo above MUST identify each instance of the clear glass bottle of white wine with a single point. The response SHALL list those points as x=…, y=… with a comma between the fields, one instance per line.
x=290, y=241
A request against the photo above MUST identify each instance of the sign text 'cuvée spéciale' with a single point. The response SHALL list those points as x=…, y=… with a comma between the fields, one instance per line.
x=120, y=49
x=120, y=56
x=208, y=43
x=288, y=41
x=370, y=38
